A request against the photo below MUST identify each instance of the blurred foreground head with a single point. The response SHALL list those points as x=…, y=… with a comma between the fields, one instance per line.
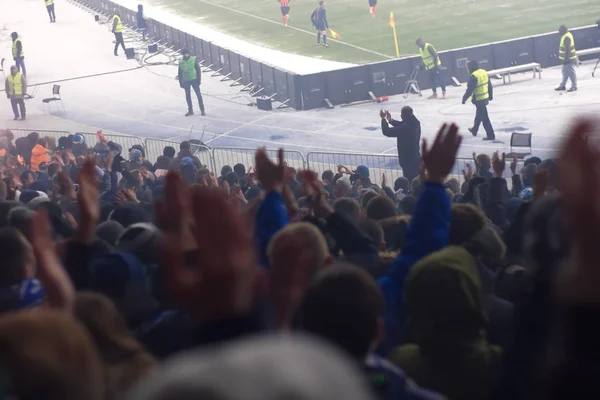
x=267, y=368
x=48, y=355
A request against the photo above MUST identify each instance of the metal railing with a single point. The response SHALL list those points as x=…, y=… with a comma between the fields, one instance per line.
x=126, y=141
x=230, y=156
x=216, y=158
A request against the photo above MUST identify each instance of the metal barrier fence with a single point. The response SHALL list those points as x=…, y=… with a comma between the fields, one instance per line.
x=19, y=133
x=126, y=141
x=378, y=164
x=216, y=158
x=231, y=155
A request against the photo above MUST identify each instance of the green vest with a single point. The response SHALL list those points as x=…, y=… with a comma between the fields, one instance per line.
x=188, y=69
x=428, y=60
x=481, y=91
x=119, y=26
x=569, y=53
x=49, y=2
x=15, y=84
x=14, y=49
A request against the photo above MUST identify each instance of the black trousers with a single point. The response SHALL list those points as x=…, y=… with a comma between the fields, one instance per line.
x=50, y=9
x=482, y=117
x=21, y=106
x=410, y=169
x=187, y=86
x=119, y=41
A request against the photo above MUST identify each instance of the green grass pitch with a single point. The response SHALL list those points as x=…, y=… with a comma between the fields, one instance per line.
x=447, y=24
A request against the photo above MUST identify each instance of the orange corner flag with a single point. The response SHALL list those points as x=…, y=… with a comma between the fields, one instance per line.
x=334, y=34
x=392, y=21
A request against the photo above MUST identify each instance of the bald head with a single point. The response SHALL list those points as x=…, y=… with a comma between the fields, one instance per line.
x=406, y=112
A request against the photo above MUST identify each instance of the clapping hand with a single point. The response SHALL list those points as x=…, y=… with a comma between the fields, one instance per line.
x=498, y=164
x=439, y=159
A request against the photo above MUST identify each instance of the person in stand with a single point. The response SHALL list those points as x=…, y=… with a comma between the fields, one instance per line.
x=16, y=87
x=433, y=65
x=285, y=11
x=142, y=21
x=50, y=9
x=568, y=57
x=117, y=29
x=319, y=20
x=481, y=90
x=408, y=137
x=18, y=53
x=189, y=76
x=372, y=7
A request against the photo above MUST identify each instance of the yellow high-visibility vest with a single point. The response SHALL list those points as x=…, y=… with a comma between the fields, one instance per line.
x=119, y=26
x=481, y=91
x=569, y=53
x=15, y=84
x=428, y=60
x=14, y=49
x=49, y=2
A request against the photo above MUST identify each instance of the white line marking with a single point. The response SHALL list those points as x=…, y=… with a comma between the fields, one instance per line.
x=295, y=28
x=237, y=128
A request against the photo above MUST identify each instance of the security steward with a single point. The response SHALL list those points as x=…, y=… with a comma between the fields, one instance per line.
x=568, y=57
x=18, y=53
x=481, y=90
x=117, y=29
x=50, y=9
x=16, y=87
x=189, y=76
x=433, y=65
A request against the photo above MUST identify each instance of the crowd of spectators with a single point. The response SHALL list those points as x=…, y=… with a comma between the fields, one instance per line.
x=124, y=279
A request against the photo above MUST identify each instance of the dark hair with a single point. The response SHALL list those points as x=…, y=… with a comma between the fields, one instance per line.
x=381, y=207
x=53, y=168
x=394, y=231
x=232, y=178
x=343, y=305
x=473, y=65
x=327, y=176
x=366, y=198
x=169, y=151
x=16, y=254
x=372, y=229
x=240, y=170
x=466, y=220
x=348, y=207
x=185, y=145
x=225, y=170
x=408, y=204
x=401, y=183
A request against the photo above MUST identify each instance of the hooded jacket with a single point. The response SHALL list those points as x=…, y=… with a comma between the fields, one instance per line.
x=448, y=351
x=39, y=154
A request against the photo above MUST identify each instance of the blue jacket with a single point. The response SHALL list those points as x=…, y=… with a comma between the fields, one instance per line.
x=428, y=231
x=270, y=218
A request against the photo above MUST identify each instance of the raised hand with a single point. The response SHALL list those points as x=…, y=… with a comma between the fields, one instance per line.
x=269, y=174
x=59, y=289
x=513, y=165
x=89, y=201
x=219, y=280
x=498, y=164
x=440, y=158
x=467, y=172
x=579, y=174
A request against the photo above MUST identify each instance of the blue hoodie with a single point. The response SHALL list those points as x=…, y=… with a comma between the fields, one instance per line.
x=428, y=231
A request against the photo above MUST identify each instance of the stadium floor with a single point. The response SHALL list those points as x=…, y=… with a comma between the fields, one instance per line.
x=148, y=102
